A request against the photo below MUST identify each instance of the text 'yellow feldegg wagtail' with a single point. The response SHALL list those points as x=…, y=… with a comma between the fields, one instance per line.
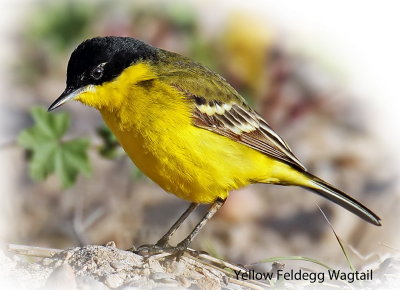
x=185, y=127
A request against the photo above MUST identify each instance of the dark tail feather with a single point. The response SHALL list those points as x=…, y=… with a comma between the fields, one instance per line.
x=328, y=191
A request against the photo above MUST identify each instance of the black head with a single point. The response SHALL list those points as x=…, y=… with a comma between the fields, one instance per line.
x=100, y=60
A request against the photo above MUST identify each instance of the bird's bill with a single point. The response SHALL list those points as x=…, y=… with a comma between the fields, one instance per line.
x=67, y=95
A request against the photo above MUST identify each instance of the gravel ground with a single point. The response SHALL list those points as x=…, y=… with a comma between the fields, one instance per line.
x=107, y=267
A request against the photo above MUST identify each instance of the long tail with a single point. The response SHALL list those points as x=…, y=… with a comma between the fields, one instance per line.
x=328, y=191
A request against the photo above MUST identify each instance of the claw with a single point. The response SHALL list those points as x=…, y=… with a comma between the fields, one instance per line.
x=178, y=251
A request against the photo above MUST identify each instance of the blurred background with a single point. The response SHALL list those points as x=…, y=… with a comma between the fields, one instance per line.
x=289, y=61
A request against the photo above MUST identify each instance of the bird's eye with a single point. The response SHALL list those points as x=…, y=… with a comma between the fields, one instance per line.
x=97, y=72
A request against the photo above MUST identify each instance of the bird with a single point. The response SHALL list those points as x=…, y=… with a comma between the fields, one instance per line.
x=185, y=127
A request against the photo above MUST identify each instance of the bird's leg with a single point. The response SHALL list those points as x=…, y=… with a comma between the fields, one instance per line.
x=184, y=244
x=163, y=242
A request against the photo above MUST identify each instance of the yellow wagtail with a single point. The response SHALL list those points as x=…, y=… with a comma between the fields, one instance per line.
x=185, y=127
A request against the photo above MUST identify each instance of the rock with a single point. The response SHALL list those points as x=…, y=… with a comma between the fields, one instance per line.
x=114, y=281
x=159, y=276
x=89, y=283
x=62, y=278
x=184, y=281
x=117, y=265
x=209, y=284
x=168, y=287
x=111, y=244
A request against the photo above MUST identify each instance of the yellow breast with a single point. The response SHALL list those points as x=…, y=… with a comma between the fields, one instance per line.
x=192, y=163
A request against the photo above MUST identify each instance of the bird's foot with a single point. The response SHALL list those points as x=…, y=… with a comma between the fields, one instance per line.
x=178, y=251
x=175, y=252
x=150, y=250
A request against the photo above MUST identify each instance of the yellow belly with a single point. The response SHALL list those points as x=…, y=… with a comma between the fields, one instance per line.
x=198, y=165
x=193, y=163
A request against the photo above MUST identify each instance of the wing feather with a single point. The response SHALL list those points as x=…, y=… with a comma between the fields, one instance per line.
x=240, y=123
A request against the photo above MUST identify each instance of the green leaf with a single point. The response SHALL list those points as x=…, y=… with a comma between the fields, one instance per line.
x=110, y=145
x=49, y=153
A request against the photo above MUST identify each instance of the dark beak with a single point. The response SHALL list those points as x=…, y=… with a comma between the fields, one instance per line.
x=66, y=96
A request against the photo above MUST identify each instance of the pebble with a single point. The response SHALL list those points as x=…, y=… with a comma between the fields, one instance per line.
x=89, y=283
x=114, y=281
x=67, y=255
x=176, y=267
x=168, y=287
x=208, y=284
x=47, y=261
x=232, y=286
x=185, y=282
x=146, y=272
x=159, y=276
x=111, y=244
x=117, y=265
x=143, y=284
x=62, y=277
